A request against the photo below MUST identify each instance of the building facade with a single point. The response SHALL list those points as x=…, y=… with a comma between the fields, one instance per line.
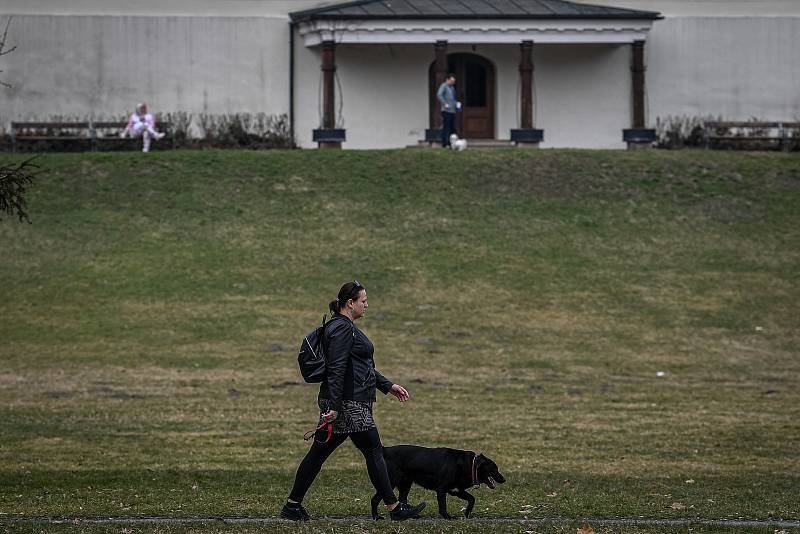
x=579, y=74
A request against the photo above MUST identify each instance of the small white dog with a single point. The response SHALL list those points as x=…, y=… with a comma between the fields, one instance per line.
x=458, y=144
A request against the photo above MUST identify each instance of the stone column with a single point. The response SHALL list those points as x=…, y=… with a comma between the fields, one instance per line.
x=526, y=135
x=526, y=84
x=329, y=136
x=638, y=135
x=637, y=69
x=440, y=75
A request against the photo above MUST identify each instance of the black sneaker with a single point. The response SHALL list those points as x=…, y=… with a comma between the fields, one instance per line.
x=294, y=512
x=405, y=511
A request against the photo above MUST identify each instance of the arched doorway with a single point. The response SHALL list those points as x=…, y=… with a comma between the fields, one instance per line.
x=475, y=82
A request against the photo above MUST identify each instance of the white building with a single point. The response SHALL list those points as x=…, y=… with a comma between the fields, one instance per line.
x=580, y=73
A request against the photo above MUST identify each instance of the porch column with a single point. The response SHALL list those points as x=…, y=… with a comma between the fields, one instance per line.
x=526, y=135
x=329, y=136
x=526, y=83
x=637, y=69
x=329, y=87
x=434, y=133
x=638, y=135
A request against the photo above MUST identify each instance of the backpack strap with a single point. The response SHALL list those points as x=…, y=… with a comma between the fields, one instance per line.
x=325, y=333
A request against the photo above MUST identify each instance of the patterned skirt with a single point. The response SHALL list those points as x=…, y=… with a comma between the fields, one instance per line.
x=355, y=416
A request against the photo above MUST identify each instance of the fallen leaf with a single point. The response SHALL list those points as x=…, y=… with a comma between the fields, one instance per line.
x=585, y=529
x=677, y=505
x=552, y=494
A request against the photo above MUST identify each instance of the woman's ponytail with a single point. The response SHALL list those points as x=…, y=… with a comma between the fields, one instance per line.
x=334, y=307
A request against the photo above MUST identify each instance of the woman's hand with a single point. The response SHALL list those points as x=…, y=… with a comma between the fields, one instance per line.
x=399, y=392
x=331, y=415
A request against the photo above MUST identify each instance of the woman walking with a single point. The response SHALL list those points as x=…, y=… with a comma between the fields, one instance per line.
x=345, y=401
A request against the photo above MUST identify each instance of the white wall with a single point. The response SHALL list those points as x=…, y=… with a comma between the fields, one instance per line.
x=384, y=94
x=735, y=67
x=156, y=8
x=104, y=65
x=583, y=94
x=279, y=8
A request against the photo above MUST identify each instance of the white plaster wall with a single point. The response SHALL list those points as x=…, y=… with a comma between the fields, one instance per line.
x=84, y=65
x=279, y=8
x=735, y=67
x=156, y=8
x=583, y=94
x=384, y=94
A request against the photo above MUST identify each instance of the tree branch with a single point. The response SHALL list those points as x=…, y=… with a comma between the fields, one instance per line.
x=3, y=39
x=15, y=179
x=3, y=51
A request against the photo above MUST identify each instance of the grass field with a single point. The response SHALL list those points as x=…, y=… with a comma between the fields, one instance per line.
x=527, y=299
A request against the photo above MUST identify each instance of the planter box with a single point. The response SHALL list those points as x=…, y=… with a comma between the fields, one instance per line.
x=527, y=136
x=639, y=136
x=329, y=137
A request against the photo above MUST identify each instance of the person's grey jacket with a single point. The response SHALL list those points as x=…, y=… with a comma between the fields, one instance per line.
x=447, y=95
x=350, y=368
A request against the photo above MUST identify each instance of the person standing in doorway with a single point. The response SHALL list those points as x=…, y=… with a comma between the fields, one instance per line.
x=447, y=98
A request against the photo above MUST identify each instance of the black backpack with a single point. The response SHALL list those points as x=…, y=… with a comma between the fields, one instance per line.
x=312, y=354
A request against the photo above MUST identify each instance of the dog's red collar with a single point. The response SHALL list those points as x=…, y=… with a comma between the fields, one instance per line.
x=474, y=470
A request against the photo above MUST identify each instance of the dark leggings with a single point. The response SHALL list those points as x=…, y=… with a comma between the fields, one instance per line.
x=367, y=441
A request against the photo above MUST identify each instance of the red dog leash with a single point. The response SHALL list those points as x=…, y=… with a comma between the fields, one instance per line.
x=307, y=436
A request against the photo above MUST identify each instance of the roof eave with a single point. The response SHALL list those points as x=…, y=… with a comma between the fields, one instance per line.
x=302, y=17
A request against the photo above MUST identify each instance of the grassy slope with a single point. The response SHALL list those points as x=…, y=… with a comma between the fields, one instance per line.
x=527, y=299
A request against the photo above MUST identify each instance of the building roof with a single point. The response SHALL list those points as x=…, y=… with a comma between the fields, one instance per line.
x=468, y=9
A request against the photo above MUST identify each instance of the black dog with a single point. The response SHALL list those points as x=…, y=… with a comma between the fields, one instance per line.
x=441, y=470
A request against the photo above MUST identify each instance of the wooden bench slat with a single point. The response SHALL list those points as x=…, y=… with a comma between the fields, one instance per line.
x=52, y=137
x=744, y=138
x=107, y=124
x=753, y=124
x=22, y=125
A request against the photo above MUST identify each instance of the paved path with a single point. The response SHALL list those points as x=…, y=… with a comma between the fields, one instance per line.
x=781, y=523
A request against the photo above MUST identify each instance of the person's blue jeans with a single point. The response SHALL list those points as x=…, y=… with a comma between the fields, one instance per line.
x=448, y=127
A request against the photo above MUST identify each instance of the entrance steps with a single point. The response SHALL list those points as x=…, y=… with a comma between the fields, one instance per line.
x=471, y=143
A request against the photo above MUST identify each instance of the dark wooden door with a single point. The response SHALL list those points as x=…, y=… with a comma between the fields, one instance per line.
x=475, y=86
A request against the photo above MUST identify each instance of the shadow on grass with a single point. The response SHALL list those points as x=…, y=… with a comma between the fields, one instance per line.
x=338, y=493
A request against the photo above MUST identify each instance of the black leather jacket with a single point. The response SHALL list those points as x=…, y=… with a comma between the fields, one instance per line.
x=350, y=369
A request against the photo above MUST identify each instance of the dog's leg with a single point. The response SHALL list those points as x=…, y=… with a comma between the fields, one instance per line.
x=376, y=499
x=441, y=497
x=403, y=488
x=470, y=501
